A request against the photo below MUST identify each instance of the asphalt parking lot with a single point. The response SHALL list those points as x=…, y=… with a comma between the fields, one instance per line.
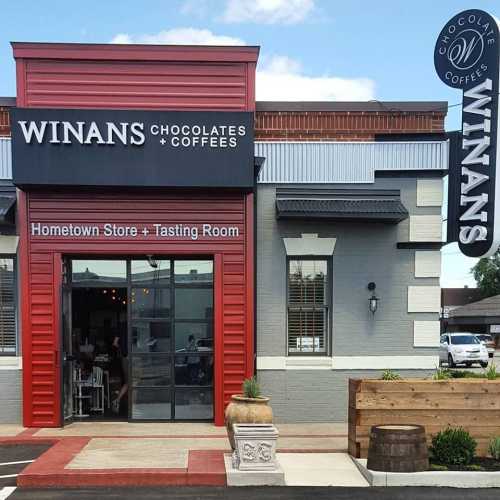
x=476, y=368
x=256, y=493
x=14, y=458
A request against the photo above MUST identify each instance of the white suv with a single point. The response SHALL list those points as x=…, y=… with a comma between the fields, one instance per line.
x=462, y=348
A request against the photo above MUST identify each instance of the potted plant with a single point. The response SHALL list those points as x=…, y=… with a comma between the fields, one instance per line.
x=247, y=408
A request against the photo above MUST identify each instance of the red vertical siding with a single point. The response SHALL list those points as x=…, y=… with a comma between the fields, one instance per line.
x=133, y=77
x=41, y=312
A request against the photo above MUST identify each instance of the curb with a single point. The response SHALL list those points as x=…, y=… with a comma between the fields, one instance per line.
x=448, y=479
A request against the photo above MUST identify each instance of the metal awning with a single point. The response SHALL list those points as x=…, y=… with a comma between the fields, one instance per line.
x=7, y=208
x=482, y=312
x=360, y=205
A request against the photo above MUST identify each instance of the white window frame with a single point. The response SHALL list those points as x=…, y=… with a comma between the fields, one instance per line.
x=14, y=352
x=327, y=306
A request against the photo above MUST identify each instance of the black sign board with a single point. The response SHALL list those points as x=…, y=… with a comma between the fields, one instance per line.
x=81, y=147
x=466, y=57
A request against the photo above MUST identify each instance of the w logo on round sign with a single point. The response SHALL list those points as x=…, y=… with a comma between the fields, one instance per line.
x=466, y=49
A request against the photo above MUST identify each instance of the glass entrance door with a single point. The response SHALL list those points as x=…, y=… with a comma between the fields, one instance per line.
x=171, y=339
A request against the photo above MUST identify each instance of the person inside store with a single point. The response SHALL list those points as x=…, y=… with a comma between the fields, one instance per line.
x=192, y=361
x=118, y=367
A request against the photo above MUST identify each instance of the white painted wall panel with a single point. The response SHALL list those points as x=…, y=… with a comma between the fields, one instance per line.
x=309, y=244
x=427, y=264
x=429, y=192
x=426, y=333
x=5, y=158
x=426, y=228
x=424, y=299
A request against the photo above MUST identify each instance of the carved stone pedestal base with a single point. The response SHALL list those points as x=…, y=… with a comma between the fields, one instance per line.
x=255, y=447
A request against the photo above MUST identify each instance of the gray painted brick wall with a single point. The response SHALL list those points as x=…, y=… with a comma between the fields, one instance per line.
x=364, y=252
x=314, y=395
x=10, y=397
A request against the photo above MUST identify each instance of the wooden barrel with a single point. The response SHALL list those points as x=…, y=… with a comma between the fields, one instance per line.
x=398, y=448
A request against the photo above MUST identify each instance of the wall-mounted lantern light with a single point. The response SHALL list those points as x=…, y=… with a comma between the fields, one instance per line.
x=373, y=300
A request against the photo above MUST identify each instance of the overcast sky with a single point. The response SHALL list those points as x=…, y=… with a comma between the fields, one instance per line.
x=310, y=49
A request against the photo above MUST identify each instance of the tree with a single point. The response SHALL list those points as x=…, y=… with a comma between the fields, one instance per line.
x=487, y=275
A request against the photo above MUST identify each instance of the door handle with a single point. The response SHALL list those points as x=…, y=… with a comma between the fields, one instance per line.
x=67, y=357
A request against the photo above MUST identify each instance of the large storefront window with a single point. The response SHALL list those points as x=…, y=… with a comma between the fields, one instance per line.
x=308, y=297
x=150, y=335
x=7, y=307
x=172, y=340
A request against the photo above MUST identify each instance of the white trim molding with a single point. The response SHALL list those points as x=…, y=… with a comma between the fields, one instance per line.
x=385, y=362
x=426, y=333
x=8, y=244
x=271, y=362
x=11, y=363
x=429, y=192
x=427, y=264
x=424, y=299
x=308, y=363
x=294, y=363
x=347, y=363
x=426, y=228
x=309, y=244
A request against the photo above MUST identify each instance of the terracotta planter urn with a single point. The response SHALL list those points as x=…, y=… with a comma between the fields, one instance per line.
x=242, y=410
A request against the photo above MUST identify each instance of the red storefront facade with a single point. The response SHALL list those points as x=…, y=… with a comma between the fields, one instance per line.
x=56, y=76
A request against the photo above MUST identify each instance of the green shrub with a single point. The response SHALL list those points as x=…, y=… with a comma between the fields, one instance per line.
x=491, y=373
x=390, y=375
x=453, y=446
x=460, y=374
x=441, y=374
x=494, y=448
x=438, y=467
x=475, y=467
x=446, y=373
x=251, y=388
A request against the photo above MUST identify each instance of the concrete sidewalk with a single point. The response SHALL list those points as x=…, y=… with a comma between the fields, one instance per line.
x=108, y=453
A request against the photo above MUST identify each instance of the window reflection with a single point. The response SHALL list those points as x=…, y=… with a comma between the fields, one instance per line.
x=151, y=336
x=150, y=302
x=193, y=272
x=150, y=272
x=93, y=272
x=194, y=369
x=194, y=404
x=202, y=334
x=151, y=370
x=151, y=404
x=194, y=303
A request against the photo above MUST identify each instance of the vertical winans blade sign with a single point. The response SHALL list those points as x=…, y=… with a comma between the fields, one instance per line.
x=466, y=57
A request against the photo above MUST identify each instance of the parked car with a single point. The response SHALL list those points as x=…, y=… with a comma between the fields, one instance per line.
x=488, y=341
x=462, y=348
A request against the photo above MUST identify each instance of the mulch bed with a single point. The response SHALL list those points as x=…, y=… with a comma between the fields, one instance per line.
x=478, y=464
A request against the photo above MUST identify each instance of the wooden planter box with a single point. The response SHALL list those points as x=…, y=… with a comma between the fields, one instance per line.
x=473, y=404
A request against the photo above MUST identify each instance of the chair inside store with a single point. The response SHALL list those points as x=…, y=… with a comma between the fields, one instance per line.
x=100, y=351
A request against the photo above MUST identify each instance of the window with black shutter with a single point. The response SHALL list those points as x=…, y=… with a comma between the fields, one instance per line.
x=7, y=307
x=308, y=298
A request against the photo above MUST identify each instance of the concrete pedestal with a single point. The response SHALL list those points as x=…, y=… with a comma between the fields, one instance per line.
x=236, y=477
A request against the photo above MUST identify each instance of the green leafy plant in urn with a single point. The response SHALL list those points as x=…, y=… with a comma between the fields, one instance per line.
x=247, y=408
